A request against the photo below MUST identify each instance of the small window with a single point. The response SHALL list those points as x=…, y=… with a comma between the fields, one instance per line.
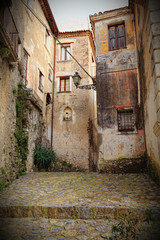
x=116, y=37
x=48, y=99
x=41, y=81
x=25, y=67
x=126, y=120
x=50, y=74
x=64, y=85
x=64, y=54
x=92, y=58
x=47, y=36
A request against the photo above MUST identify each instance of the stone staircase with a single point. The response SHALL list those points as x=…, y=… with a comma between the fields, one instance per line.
x=80, y=206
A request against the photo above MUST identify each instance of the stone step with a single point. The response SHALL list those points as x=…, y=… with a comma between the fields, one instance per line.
x=76, y=212
x=66, y=229
x=66, y=206
x=80, y=195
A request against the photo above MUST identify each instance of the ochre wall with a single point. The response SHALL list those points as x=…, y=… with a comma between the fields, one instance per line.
x=71, y=138
x=117, y=87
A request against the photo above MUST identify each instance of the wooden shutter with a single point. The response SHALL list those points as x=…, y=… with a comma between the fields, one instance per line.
x=67, y=85
x=64, y=84
x=112, y=38
x=121, y=36
x=67, y=54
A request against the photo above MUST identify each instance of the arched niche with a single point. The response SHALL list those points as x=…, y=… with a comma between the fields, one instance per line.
x=67, y=114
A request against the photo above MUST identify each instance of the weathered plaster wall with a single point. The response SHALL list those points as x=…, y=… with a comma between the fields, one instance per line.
x=117, y=87
x=35, y=127
x=41, y=57
x=71, y=137
x=8, y=82
x=147, y=22
x=9, y=79
x=32, y=39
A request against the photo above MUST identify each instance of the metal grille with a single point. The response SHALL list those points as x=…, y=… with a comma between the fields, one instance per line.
x=126, y=120
x=25, y=66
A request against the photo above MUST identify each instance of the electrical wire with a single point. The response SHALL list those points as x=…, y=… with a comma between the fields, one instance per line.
x=44, y=25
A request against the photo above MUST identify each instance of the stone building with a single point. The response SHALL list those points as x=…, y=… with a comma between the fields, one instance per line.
x=119, y=111
x=9, y=78
x=147, y=27
x=38, y=70
x=24, y=59
x=74, y=132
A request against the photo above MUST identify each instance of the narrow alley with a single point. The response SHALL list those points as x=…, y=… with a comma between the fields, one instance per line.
x=80, y=120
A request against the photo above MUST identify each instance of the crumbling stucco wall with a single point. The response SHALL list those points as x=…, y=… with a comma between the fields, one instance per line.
x=9, y=78
x=117, y=88
x=35, y=126
x=147, y=22
x=32, y=38
x=71, y=137
x=40, y=51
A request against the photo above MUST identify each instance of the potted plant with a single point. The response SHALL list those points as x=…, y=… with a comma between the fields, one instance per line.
x=43, y=157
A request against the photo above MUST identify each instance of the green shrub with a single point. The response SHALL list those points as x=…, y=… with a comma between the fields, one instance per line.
x=129, y=226
x=20, y=173
x=3, y=185
x=43, y=157
x=4, y=51
x=20, y=134
x=3, y=171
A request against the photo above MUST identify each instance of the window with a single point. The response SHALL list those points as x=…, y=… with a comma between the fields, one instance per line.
x=50, y=74
x=64, y=85
x=41, y=80
x=25, y=66
x=48, y=99
x=47, y=35
x=116, y=37
x=64, y=54
x=126, y=120
x=92, y=58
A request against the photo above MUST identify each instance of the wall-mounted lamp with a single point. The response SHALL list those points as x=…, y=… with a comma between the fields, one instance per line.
x=76, y=79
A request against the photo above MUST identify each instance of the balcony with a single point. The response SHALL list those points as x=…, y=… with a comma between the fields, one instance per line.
x=9, y=33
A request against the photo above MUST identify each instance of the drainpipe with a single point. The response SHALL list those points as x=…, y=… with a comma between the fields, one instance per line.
x=54, y=74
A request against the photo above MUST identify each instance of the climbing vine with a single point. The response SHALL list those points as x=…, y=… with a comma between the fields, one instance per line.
x=20, y=133
x=130, y=226
x=4, y=51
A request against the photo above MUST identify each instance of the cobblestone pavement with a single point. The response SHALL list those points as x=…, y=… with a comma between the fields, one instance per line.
x=78, y=189
x=75, y=205
x=64, y=229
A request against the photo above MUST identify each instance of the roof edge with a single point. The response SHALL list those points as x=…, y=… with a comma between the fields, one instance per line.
x=114, y=13
x=49, y=16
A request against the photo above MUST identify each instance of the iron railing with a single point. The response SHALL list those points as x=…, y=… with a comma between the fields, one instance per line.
x=8, y=24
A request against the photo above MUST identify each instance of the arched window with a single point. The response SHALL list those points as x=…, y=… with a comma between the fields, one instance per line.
x=48, y=99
